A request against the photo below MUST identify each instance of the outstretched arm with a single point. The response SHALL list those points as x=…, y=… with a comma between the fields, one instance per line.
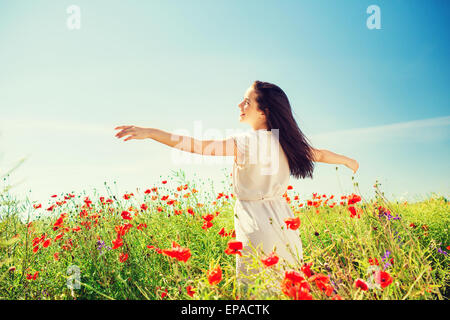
x=327, y=156
x=184, y=143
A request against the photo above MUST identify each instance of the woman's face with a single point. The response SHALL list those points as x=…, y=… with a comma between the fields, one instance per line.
x=250, y=112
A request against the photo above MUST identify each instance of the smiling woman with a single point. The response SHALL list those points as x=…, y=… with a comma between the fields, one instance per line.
x=260, y=210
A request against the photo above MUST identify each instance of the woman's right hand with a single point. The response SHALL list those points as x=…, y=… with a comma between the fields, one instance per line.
x=133, y=132
x=353, y=165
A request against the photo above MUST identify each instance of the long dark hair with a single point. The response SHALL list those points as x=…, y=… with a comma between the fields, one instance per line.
x=275, y=105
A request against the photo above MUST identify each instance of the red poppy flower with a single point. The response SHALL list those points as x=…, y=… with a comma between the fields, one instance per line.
x=222, y=232
x=207, y=225
x=208, y=217
x=352, y=211
x=306, y=269
x=117, y=243
x=373, y=262
x=234, y=247
x=190, y=211
x=144, y=206
x=322, y=282
x=177, y=252
x=270, y=260
x=47, y=243
x=37, y=206
x=58, y=223
x=383, y=278
x=33, y=277
x=292, y=223
x=190, y=291
x=215, y=275
x=289, y=187
x=126, y=215
x=164, y=181
x=123, y=257
x=295, y=286
x=354, y=199
x=141, y=226
x=359, y=283
x=56, y=256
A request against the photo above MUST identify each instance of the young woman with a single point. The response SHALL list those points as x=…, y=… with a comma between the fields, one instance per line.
x=260, y=209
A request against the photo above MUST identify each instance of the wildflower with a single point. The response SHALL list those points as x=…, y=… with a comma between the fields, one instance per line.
x=164, y=181
x=359, y=283
x=100, y=244
x=177, y=252
x=37, y=206
x=352, y=211
x=33, y=277
x=306, y=269
x=164, y=294
x=141, y=226
x=295, y=286
x=322, y=282
x=58, y=224
x=383, y=278
x=207, y=225
x=126, y=215
x=234, y=247
x=47, y=243
x=270, y=260
x=289, y=187
x=373, y=261
x=123, y=257
x=215, y=275
x=353, y=199
x=222, y=232
x=292, y=223
x=117, y=243
x=190, y=291
x=208, y=217
x=144, y=206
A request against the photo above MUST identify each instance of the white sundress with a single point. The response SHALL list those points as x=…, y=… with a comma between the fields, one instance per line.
x=260, y=178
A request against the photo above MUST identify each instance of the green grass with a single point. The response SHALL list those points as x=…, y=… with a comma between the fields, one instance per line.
x=338, y=246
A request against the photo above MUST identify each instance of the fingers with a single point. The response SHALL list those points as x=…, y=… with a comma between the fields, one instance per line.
x=125, y=132
x=122, y=127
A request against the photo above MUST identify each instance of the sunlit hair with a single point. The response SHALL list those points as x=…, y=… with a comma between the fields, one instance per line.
x=275, y=105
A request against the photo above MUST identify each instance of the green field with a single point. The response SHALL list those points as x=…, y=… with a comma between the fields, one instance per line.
x=44, y=251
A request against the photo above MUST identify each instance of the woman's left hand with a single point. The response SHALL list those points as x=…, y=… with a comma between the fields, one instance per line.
x=133, y=132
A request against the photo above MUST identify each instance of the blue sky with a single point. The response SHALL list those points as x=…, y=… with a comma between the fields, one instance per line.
x=379, y=96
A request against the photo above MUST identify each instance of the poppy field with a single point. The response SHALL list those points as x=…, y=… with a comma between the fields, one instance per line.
x=175, y=240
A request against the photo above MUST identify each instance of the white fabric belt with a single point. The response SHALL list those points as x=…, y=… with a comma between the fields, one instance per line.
x=277, y=197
